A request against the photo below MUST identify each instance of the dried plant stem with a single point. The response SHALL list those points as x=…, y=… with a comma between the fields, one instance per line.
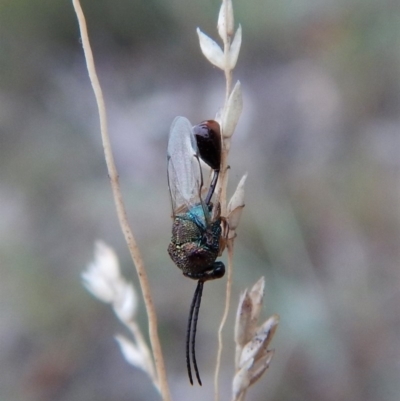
x=225, y=149
x=241, y=397
x=224, y=317
x=223, y=200
x=121, y=212
x=225, y=153
x=137, y=335
x=228, y=77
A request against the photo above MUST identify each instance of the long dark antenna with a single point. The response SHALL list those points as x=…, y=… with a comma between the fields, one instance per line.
x=196, y=316
x=191, y=334
x=189, y=331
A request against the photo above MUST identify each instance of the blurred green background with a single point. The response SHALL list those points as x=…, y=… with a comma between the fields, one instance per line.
x=319, y=137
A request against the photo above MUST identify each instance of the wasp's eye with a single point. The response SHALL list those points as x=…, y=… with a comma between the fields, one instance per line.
x=208, y=138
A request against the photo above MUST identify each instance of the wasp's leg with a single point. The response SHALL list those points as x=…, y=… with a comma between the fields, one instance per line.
x=223, y=239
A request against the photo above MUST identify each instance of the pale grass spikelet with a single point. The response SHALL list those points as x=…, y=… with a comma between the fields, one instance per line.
x=131, y=352
x=104, y=280
x=256, y=295
x=243, y=316
x=235, y=48
x=102, y=273
x=252, y=357
x=260, y=366
x=233, y=111
x=256, y=347
x=211, y=50
x=137, y=354
x=224, y=59
x=125, y=302
x=241, y=381
x=235, y=207
x=226, y=22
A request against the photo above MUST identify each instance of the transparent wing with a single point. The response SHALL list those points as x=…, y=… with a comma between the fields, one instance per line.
x=185, y=178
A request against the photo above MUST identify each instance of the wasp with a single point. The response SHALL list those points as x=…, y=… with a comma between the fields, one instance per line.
x=196, y=230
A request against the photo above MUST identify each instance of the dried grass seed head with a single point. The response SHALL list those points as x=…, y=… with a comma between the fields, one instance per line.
x=243, y=316
x=241, y=381
x=125, y=301
x=234, y=48
x=232, y=112
x=103, y=279
x=211, y=50
x=235, y=207
x=102, y=273
x=226, y=22
x=131, y=352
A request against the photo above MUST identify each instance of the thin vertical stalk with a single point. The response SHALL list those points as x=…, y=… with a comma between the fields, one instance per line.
x=223, y=200
x=228, y=88
x=224, y=317
x=120, y=207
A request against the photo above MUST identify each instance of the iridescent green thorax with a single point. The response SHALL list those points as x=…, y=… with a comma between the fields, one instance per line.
x=194, y=244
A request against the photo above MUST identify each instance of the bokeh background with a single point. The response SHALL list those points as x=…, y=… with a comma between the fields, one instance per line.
x=319, y=137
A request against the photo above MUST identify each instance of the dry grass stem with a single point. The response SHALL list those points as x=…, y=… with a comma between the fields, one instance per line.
x=121, y=211
x=223, y=320
x=226, y=59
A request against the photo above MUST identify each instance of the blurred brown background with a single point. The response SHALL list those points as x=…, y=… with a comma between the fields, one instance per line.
x=319, y=137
